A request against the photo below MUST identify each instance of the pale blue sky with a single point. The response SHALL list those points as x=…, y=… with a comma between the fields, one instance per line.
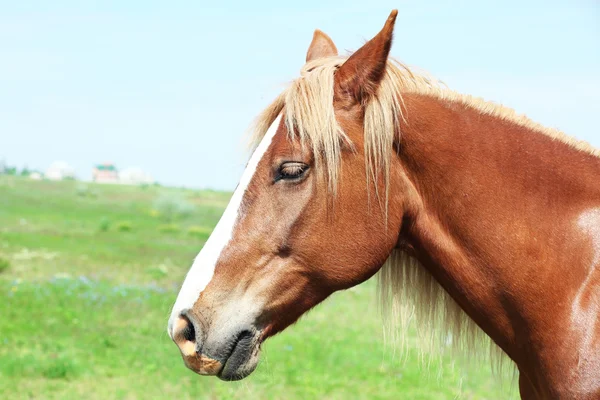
x=172, y=86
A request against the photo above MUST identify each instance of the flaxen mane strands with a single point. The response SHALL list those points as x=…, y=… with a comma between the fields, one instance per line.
x=406, y=289
x=309, y=111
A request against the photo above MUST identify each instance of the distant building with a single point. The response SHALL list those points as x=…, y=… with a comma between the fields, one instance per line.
x=105, y=173
x=59, y=170
x=135, y=176
x=36, y=176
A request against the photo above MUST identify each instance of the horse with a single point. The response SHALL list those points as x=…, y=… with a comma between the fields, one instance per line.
x=484, y=217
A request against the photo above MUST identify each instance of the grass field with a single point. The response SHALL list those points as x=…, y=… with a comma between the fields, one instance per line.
x=88, y=274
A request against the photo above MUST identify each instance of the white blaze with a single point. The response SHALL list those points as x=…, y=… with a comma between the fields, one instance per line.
x=203, y=267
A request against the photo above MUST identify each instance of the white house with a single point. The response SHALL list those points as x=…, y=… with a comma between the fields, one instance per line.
x=59, y=170
x=105, y=173
x=135, y=176
x=36, y=176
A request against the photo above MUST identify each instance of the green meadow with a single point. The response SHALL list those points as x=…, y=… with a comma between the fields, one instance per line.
x=88, y=274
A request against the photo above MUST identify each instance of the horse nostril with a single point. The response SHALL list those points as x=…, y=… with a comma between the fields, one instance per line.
x=184, y=335
x=188, y=332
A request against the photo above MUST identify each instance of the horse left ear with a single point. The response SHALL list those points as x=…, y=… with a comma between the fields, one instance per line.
x=358, y=78
x=321, y=46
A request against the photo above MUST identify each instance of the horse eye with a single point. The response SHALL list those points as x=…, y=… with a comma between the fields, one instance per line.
x=291, y=171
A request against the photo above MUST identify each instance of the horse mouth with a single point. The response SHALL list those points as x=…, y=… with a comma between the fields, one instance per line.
x=242, y=358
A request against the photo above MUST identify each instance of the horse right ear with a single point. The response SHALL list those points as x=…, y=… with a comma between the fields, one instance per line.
x=358, y=78
x=321, y=46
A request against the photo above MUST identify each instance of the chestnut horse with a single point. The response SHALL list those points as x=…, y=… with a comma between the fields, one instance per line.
x=475, y=208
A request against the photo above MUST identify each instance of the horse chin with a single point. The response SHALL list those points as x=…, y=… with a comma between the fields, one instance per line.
x=243, y=359
x=239, y=365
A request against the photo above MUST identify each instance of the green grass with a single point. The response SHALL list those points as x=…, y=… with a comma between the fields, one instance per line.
x=84, y=311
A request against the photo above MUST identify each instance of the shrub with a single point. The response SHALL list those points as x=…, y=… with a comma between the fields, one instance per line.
x=169, y=228
x=84, y=190
x=199, y=231
x=159, y=271
x=171, y=207
x=59, y=367
x=10, y=170
x=124, y=226
x=4, y=265
x=104, y=224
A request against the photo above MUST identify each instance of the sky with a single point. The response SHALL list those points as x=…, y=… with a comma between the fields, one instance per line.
x=172, y=86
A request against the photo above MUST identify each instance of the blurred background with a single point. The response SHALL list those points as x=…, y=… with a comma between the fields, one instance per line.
x=122, y=135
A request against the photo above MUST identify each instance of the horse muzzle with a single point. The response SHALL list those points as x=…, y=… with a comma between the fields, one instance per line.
x=230, y=351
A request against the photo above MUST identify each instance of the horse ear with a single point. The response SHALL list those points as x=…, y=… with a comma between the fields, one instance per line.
x=358, y=78
x=321, y=46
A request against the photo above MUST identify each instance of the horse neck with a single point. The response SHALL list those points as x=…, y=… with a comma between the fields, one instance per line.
x=493, y=215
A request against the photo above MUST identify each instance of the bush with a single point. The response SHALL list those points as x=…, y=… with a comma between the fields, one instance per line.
x=171, y=207
x=159, y=271
x=10, y=170
x=199, y=231
x=124, y=226
x=104, y=224
x=4, y=265
x=59, y=367
x=169, y=228
x=83, y=190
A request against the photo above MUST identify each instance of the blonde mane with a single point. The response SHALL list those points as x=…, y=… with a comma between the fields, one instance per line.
x=406, y=289
x=307, y=104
